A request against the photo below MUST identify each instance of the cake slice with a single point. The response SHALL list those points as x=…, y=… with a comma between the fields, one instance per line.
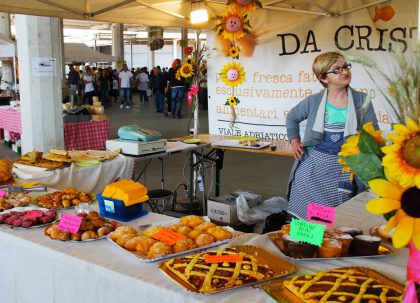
x=342, y=285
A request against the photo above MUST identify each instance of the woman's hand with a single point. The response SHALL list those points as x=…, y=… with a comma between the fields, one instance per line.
x=297, y=148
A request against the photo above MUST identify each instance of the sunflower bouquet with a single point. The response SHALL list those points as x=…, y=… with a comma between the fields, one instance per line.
x=194, y=70
x=391, y=166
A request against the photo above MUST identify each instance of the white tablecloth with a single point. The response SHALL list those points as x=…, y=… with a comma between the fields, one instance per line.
x=91, y=179
x=36, y=269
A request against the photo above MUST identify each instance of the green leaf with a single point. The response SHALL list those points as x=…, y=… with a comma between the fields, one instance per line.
x=365, y=166
x=367, y=144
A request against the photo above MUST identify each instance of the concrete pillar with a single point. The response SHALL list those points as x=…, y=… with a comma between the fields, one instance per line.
x=118, y=41
x=184, y=42
x=7, y=65
x=40, y=69
x=152, y=59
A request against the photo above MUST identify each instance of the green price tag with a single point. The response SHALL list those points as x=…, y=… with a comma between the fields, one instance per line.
x=307, y=231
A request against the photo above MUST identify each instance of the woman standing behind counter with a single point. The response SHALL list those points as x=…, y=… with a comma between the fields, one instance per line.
x=332, y=115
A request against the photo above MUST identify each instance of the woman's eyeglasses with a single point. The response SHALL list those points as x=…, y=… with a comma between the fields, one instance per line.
x=339, y=69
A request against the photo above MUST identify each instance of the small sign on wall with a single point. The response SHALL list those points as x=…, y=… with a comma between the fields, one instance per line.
x=44, y=67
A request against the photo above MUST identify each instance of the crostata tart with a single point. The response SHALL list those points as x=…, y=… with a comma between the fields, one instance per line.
x=342, y=285
x=210, y=277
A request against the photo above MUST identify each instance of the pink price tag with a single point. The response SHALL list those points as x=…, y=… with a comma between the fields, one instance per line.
x=34, y=214
x=320, y=214
x=2, y=193
x=70, y=223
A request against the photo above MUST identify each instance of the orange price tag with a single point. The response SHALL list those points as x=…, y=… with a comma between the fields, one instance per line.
x=168, y=236
x=223, y=258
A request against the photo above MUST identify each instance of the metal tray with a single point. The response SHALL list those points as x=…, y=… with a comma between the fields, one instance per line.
x=280, y=267
x=7, y=226
x=281, y=294
x=144, y=258
x=276, y=238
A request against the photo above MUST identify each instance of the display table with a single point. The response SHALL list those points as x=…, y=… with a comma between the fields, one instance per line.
x=91, y=179
x=10, y=119
x=86, y=135
x=36, y=269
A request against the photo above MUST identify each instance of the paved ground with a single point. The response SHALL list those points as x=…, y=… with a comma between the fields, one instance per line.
x=264, y=174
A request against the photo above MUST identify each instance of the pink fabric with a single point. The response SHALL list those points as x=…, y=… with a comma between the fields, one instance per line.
x=413, y=275
x=10, y=120
x=86, y=135
x=193, y=92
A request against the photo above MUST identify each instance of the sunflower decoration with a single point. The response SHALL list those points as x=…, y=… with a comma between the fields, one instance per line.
x=232, y=101
x=178, y=74
x=188, y=50
x=233, y=25
x=404, y=200
x=189, y=60
x=186, y=70
x=403, y=156
x=233, y=74
x=245, y=5
x=233, y=52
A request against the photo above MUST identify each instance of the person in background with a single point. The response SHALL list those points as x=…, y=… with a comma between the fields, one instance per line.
x=73, y=83
x=114, y=89
x=104, y=86
x=125, y=83
x=88, y=79
x=158, y=82
x=177, y=89
x=332, y=115
x=143, y=85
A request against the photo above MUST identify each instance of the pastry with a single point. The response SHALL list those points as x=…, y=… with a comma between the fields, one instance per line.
x=285, y=229
x=90, y=234
x=207, y=278
x=144, y=246
x=132, y=243
x=364, y=245
x=298, y=249
x=184, y=244
x=345, y=240
x=184, y=230
x=123, y=230
x=124, y=238
x=76, y=237
x=152, y=230
x=204, y=239
x=103, y=231
x=204, y=226
x=159, y=249
x=330, y=248
x=341, y=285
x=353, y=231
x=378, y=231
x=219, y=233
x=192, y=220
x=193, y=234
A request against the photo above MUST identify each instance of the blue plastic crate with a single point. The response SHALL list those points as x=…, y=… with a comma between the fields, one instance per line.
x=115, y=209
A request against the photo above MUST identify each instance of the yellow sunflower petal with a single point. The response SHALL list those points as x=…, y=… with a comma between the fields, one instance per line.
x=390, y=224
x=416, y=233
x=403, y=232
x=413, y=126
x=397, y=139
x=385, y=189
x=382, y=205
x=401, y=129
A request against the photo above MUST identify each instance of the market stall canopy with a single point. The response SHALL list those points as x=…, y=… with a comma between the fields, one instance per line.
x=79, y=52
x=7, y=47
x=171, y=13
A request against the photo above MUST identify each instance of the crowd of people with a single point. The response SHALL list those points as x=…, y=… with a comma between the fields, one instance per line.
x=110, y=84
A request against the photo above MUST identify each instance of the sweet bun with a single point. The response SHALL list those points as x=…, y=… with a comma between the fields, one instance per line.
x=184, y=244
x=159, y=249
x=103, y=231
x=123, y=230
x=90, y=234
x=194, y=234
x=204, y=239
x=132, y=243
x=152, y=230
x=124, y=238
x=76, y=237
x=184, y=230
x=219, y=233
x=192, y=220
x=144, y=246
x=204, y=226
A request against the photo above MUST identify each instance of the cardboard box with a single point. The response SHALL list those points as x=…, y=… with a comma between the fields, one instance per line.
x=99, y=117
x=223, y=209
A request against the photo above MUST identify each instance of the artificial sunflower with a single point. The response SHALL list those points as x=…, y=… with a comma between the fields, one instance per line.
x=234, y=52
x=245, y=5
x=186, y=70
x=232, y=101
x=178, y=74
x=232, y=74
x=403, y=156
x=404, y=200
x=189, y=61
x=233, y=25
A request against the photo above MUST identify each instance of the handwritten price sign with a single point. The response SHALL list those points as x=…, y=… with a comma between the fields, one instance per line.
x=2, y=193
x=168, y=236
x=223, y=258
x=308, y=232
x=320, y=214
x=70, y=223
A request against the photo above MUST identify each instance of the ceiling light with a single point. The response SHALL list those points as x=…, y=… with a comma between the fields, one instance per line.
x=198, y=12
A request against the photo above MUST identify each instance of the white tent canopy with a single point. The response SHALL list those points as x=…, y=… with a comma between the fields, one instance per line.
x=79, y=52
x=7, y=47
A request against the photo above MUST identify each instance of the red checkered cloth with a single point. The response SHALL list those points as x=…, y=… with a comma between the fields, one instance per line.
x=10, y=120
x=86, y=135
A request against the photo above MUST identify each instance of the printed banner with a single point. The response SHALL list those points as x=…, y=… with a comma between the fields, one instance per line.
x=278, y=57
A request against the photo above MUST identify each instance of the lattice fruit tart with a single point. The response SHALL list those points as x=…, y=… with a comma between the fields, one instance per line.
x=206, y=277
x=348, y=284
